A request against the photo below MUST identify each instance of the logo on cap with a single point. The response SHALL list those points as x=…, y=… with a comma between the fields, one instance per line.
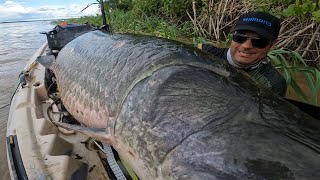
x=257, y=20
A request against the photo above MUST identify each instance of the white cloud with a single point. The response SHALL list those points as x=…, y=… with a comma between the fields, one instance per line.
x=15, y=11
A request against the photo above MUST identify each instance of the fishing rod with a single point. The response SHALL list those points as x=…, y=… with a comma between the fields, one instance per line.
x=105, y=27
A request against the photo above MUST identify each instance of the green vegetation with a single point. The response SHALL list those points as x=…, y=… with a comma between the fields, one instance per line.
x=129, y=22
x=291, y=8
x=292, y=68
x=198, y=21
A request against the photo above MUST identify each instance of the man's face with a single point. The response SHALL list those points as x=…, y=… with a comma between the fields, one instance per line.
x=245, y=53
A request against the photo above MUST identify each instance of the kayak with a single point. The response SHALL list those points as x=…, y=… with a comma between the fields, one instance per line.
x=38, y=149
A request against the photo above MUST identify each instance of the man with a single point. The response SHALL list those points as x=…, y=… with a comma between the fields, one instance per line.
x=253, y=36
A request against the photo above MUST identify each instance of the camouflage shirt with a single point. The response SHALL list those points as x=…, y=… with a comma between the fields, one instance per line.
x=265, y=74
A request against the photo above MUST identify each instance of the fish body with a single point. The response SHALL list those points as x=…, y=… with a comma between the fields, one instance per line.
x=174, y=112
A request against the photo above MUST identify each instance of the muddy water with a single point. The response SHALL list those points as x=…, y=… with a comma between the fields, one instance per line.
x=18, y=42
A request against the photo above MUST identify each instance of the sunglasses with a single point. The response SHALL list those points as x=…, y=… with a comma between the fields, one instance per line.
x=256, y=42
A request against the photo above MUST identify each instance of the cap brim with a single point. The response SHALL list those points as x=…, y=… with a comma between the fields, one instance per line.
x=261, y=31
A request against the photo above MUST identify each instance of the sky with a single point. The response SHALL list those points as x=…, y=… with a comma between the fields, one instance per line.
x=21, y=10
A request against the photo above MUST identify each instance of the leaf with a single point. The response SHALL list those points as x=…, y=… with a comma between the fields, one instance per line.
x=316, y=15
x=283, y=60
x=308, y=7
x=286, y=1
x=279, y=65
x=280, y=60
x=313, y=7
x=312, y=87
x=287, y=76
x=309, y=81
x=298, y=57
x=304, y=69
x=317, y=85
x=290, y=11
x=317, y=74
x=298, y=90
x=274, y=59
x=305, y=8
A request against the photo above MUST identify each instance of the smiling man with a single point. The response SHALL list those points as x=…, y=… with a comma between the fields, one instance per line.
x=252, y=38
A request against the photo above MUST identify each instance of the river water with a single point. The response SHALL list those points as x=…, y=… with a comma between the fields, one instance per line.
x=18, y=42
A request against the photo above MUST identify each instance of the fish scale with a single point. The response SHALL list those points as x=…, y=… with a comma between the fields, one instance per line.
x=174, y=112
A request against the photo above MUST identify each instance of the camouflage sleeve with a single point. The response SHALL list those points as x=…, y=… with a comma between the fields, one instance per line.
x=270, y=78
x=279, y=86
x=277, y=81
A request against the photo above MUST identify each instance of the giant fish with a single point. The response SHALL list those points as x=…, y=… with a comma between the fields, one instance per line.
x=175, y=112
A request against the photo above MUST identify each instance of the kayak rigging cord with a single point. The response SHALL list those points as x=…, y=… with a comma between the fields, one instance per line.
x=52, y=94
x=21, y=81
x=5, y=105
x=50, y=109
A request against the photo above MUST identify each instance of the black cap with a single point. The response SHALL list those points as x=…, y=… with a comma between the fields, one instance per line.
x=264, y=24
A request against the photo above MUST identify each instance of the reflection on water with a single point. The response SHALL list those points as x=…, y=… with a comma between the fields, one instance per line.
x=19, y=39
x=18, y=42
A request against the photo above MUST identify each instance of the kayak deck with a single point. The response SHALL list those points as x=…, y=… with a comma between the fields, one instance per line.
x=36, y=148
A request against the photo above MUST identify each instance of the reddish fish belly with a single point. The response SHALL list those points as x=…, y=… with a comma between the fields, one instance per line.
x=94, y=115
x=97, y=117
